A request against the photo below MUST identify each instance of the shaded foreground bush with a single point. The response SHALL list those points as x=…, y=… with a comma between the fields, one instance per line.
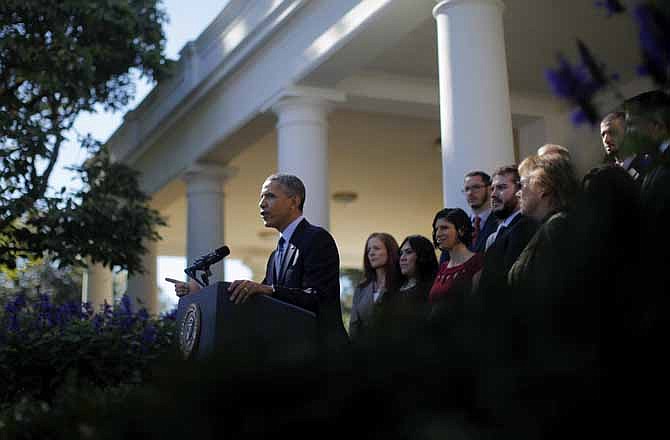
x=390, y=395
x=401, y=385
x=407, y=382
x=50, y=353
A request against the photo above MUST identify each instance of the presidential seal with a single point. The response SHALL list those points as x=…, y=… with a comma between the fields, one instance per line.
x=189, y=331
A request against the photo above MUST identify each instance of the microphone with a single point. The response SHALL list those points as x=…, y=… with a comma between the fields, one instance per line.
x=207, y=260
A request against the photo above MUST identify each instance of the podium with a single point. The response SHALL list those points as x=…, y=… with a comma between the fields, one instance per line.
x=261, y=329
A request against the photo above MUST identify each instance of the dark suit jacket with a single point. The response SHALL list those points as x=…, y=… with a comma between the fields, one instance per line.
x=502, y=254
x=310, y=278
x=548, y=331
x=489, y=228
x=488, y=310
x=639, y=167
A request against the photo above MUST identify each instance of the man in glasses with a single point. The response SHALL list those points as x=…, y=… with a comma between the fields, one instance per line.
x=477, y=190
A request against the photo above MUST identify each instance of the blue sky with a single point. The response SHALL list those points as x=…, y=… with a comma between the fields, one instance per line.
x=187, y=21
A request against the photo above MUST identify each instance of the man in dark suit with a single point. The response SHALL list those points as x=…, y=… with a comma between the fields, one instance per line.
x=612, y=129
x=513, y=233
x=493, y=297
x=304, y=270
x=477, y=190
x=648, y=132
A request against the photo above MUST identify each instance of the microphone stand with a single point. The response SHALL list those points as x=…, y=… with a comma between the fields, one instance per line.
x=192, y=273
x=203, y=263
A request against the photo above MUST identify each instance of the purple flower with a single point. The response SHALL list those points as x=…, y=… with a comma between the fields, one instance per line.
x=123, y=314
x=126, y=305
x=87, y=309
x=11, y=308
x=655, y=41
x=148, y=337
x=595, y=69
x=13, y=325
x=570, y=82
x=12, y=314
x=142, y=314
x=578, y=117
x=612, y=6
x=20, y=300
x=46, y=312
x=74, y=310
x=576, y=84
x=45, y=302
x=62, y=315
x=106, y=309
x=98, y=321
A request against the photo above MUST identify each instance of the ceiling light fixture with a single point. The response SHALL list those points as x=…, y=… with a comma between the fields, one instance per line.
x=344, y=197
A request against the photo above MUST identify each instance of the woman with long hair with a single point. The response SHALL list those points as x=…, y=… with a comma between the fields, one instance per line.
x=381, y=279
x=407, y=309
x=418, y=267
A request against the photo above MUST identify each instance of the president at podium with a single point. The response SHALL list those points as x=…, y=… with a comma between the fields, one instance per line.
x=304, y=269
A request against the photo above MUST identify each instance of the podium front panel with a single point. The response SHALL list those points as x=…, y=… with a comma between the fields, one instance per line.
x=261, y=329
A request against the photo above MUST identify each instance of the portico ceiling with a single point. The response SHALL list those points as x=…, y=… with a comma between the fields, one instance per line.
x=535, y=31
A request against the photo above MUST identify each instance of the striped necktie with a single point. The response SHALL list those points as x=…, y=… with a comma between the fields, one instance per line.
x=476, y=223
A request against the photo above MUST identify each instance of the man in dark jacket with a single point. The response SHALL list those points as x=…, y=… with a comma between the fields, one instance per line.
x=303, y=270
x=648, y=132
x=492, y=297
x=512, y=235
x=477, y=190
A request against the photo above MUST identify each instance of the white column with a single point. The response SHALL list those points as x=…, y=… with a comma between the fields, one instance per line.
x=205, y=211
x=302, y=136
x=97, y=286
x=190, y=61
x=144, y=286
x=475, y=115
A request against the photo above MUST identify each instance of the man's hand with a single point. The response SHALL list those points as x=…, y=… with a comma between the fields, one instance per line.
x=181, y=288
x=243, y=289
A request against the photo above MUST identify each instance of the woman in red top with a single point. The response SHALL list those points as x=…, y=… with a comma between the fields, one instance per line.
x=454, y=281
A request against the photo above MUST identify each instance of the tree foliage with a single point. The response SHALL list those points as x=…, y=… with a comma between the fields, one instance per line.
x=57, y=60
x=41, y=276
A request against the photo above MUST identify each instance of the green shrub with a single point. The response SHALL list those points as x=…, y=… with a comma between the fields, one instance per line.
x=46, y=348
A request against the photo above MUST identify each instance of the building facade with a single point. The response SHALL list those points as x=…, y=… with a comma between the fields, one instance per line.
x=380, y=106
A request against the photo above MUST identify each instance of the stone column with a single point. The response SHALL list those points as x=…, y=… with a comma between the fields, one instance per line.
x=475, y=115
x=144, y=287
x=190, y=61
x=97, y=286
x=302, y=135
x=205, y=211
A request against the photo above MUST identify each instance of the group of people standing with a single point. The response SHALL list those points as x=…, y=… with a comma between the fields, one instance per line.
x=543, y=305
x=477, y=250
x=549, y=283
